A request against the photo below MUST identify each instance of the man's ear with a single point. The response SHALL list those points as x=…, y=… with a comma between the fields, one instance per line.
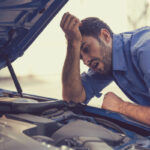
x=105, y=36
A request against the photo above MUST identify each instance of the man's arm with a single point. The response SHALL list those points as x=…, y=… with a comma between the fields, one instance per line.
x=114, y=103
x=71, y=81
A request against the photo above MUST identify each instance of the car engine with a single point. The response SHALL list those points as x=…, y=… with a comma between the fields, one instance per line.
x=57, y=125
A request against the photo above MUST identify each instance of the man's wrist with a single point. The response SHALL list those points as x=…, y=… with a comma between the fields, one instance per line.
x=74, y=43
x=123, y=106
x=74, y=49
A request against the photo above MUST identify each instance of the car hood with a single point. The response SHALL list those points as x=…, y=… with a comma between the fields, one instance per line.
x=21, y=21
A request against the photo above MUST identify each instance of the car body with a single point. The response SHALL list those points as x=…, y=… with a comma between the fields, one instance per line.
x=34, y=122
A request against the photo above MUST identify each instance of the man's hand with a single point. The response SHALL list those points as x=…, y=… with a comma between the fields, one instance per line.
x=70, y=25
x=112, y=102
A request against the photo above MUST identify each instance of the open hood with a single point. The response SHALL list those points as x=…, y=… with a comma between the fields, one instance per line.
x=21, y=21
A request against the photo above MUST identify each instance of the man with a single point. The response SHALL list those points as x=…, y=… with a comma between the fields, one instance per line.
x=123, y=58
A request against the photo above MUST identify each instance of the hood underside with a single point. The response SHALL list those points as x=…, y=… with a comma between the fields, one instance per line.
x=21, y=21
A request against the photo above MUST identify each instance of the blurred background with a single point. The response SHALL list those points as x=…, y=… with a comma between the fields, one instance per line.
x=39, y=69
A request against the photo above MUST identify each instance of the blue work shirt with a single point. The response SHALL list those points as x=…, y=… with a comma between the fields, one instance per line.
x=130, y=68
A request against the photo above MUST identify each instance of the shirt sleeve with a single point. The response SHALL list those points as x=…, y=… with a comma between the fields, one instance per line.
x=144, y=63
x=93, y=83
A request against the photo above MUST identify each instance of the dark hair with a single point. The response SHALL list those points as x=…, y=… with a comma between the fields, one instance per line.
x=92, y=26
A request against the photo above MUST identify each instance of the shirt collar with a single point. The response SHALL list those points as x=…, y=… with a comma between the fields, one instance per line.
x=118, y=58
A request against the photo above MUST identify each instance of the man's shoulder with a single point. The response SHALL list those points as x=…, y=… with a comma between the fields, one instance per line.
x=132, y=39
x=138, y=31
x=142, y=30
x=140, y=39
x=141, y=33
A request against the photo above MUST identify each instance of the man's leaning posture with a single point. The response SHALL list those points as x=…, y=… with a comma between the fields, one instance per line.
x=123, y=58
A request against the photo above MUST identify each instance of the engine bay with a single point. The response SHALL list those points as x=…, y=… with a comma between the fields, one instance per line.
x=56, y=125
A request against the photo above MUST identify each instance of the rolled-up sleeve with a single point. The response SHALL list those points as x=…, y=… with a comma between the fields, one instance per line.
x=93, y=83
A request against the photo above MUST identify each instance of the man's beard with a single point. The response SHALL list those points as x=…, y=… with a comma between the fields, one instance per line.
x=106, y=58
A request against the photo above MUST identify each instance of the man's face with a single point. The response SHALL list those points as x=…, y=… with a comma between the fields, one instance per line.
x=96, y=54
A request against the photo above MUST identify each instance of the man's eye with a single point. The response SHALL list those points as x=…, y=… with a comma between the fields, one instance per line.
x=86, y=50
